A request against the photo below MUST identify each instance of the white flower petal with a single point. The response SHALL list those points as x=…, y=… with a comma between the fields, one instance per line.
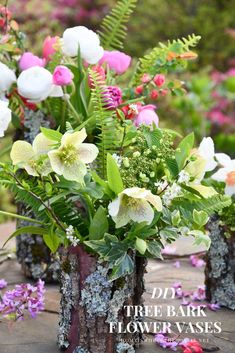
x=114, y=206
x=75, y=139
x=230, y=190
x=41, y=144
x=221, y=174
x=122, y=217
x=56, y=91
x=7, y=77
x=56, y=163
x=142, y=212
x=87, y=152
x=5, y=117
x=223, y=159
x=30, y=170
x=155, y=201
x=135, y=192
x=75, y=172
x=21, y=152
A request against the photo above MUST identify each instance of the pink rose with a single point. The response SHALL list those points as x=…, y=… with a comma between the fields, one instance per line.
x=116, y=60
x=146, y=116
x=49, y=47
x=28, y=60
x=62, y=76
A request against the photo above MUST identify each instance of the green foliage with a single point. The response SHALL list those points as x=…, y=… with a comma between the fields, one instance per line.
x=113, y=175
x=158, y=59
x=184, y=149
x=113, y=27
x=99, y=224
x=105, y=122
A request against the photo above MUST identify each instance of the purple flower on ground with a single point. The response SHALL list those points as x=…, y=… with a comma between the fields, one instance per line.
x=196, y=261
x=3, y=283
x=176, y=264
x=213, y=307
x=165, y=342
x=199, y=294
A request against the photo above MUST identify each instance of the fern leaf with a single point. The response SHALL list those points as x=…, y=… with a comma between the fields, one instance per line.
x=113, y=28
x=105, y=122
x=157, y=60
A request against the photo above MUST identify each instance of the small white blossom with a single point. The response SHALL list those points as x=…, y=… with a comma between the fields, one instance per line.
x=117, y=158
x=184, y=177
x=171, y=192
x=70, y=235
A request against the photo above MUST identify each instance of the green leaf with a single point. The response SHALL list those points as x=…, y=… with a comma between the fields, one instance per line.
x=24, y=218
x=141, y=245
x=200, y=238
x=184, y=147
x=52, y=241
x=102, y=183
x=173, y=167
x=155, y=249
x=27, y=230
x=99, y=224
x=200, y=217
x=99, y=246
x=114, y=178
x=152, y=137
x=53, y=135
x=123, y=267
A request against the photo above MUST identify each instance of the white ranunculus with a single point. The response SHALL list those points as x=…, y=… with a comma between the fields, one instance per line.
x=7, y=78
x=85, y=39
x=5, y=117
x=207, y=151
x=36, y=84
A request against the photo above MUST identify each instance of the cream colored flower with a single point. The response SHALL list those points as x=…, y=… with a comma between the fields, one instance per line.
x=33, y=158
x=227, y=175
x=207, y=151
x=133, y=204
x=71, y=157
x=5, y=117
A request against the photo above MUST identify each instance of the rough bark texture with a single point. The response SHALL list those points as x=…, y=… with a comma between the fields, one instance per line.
x=90, y=302
x=34, y=257
x=220, y=267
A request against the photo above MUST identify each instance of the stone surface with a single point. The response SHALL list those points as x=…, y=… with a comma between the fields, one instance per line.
x=39, y=336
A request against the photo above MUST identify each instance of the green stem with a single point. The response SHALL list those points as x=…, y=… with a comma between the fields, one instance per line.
x=76, y=115
x=20, y=217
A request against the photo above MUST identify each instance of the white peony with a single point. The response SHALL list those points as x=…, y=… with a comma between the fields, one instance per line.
x=207, y=151
x=36, y=84
x=7, y=78
x=85, y=39
x=5, y=117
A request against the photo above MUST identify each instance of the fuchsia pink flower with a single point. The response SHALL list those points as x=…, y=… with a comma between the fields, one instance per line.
x=114, y=97
x=196, y=261
x=62, y=76
x=28, y=60
x=147, y=116
x=117, y=61
x=192, y=346
x=3, y=283
x=49, y=47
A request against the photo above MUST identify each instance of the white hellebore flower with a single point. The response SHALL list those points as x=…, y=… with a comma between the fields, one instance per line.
x=5, y=117
x=7, y=78
x=71, y=157
x=33, y=158
x=36, y=84
x=207, y=151
x=133, y=204
x=85, y=39
x=226, y=174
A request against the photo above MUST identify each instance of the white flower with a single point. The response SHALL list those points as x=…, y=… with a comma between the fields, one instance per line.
x=207, y=151
x=133, y=204
x=36, y=84
x=223, y=159
x=85, y=39
x=227, y=175
x=184, y=177
x=5, y=117
x=7, y=78
x=33, y=158
x=70, y=158
x=171, y=192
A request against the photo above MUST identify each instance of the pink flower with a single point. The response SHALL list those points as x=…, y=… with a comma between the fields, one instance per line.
x=196, y=261
x=62, y=76
x=193, y=346
x=113, y=97
x=159, y=80
x=139, y=89
x=116, y=60
x=28, y=60
x=146, y=78
x=177, y=264
x=147, y=116
x=49, y=47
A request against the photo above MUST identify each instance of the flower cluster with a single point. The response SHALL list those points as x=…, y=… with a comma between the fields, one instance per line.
x=24, y=297
x=173, y=343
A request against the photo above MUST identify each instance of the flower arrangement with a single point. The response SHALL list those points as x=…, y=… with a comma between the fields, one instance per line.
x=107, y=176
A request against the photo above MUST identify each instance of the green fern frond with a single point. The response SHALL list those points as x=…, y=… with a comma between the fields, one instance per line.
x=105, y=122
x=156, y=61
x=113, y=27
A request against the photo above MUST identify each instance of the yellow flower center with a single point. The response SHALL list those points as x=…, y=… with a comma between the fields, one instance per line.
x=230, y=180
x=68, y=154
